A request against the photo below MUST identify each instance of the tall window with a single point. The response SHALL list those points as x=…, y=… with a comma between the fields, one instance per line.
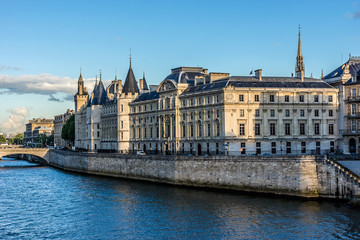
x=287, y=113
x=317, y=128
x=303, y=147
x=330, y=113
x=302, y=128
x=353, y=93
x=199, y=130
x=242, y=148
x=183, y=130
x=302, y=113
x=353, y=109
x=316, y=113
x=242, y=129
x=317, y=147
x=273, y=147
x=272, y=98
x=316, y=98
x=272, y=113
x=242, y=113
x=331, y=128
x=257, y=98
x=287, y=98
x=241, y=98
x=353, y=125
x=257, y=113
x=208, y=129
x=330, y=98
x=332, y=146
x=287, y=128
x=218, y=129
x=288, y=147
x=272, y=129
x=191, y=130
x=257, y=128
x=258, y=148
x=301, y=98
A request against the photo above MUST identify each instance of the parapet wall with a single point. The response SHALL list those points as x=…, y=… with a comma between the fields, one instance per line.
x=302, y=176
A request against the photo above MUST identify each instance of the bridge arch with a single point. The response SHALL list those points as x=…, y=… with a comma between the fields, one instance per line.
x=42, y=153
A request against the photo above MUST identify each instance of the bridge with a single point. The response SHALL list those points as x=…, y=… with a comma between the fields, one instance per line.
x=38, y=152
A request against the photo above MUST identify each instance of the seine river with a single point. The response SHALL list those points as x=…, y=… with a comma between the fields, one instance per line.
x=39, y=202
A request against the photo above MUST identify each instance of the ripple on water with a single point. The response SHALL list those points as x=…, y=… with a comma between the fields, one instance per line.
x=46, y=203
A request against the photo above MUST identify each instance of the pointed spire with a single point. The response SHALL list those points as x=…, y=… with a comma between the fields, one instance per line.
x=130, y=57
x=130, y=85
x=299, y=69
x=100, y=76
x=322, y=73
x=143, y=84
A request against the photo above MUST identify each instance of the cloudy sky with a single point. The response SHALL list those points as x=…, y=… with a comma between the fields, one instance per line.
x=43, y=44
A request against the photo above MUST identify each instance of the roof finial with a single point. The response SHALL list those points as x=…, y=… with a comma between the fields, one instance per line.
x=130, y=57
x=115, y=74
x=80, y=70
x=100, y=74
x=95, y=80
x=322, y=73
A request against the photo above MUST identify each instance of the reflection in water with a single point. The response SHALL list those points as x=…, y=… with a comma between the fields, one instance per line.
x=39, y=203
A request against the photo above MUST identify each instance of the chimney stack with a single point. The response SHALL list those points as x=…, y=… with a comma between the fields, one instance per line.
x=258, y=74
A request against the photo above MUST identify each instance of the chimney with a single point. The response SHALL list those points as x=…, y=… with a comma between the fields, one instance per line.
x=258, y=74
x=141, y=84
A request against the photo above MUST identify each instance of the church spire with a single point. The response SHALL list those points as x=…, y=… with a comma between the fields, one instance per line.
x=299, y=69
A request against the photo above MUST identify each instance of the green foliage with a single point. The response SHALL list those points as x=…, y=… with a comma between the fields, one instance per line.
x=45, y=140
x=18, y=139
x=68, y=130
x=2, y=139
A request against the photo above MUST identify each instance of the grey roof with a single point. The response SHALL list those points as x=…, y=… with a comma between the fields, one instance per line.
x=99, y=95
x=185, y=74
x=253, y=82
x=354, y=68
x=130, y=85
x=147, y=96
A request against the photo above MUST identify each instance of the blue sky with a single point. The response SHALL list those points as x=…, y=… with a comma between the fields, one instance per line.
x=43, y=44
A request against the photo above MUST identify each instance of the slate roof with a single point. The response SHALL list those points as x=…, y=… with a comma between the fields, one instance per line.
x=252, y=82
x=354, y=68
x=99, y=95
x=130, y=85
x=185, y=74
x=147, y=96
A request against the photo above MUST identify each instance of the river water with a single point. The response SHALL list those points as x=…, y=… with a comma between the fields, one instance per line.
x=38, y=202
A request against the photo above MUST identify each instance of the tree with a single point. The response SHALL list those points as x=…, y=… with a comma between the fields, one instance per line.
x=18, y=139
x=2, y=139
x=68, y=130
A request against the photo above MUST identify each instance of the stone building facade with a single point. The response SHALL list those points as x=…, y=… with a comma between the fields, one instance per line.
x=346, y=78
x=37, y=126
x=59, y=122
x=102, y=121
x=195, y=112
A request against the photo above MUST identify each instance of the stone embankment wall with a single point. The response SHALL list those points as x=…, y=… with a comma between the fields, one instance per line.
x=302, y=176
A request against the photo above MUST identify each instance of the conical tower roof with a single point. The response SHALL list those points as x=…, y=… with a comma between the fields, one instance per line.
x=99, y=94
x=130, y=85
x=145, y=86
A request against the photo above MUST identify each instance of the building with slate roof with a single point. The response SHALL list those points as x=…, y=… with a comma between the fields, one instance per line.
x=346, y=78
x=102, y=122
x=196, y=112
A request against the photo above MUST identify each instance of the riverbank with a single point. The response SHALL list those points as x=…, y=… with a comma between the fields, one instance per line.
x=299, y=176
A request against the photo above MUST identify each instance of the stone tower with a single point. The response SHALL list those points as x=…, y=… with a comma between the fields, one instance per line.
x=81, y=96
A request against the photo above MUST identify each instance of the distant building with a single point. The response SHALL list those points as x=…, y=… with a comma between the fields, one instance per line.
x=37, y=126
x=346, y=78
x=59, y=122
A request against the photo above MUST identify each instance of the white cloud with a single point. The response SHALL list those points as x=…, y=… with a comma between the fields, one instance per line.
x=12, y=68
x=43, y=84
x=16, y=121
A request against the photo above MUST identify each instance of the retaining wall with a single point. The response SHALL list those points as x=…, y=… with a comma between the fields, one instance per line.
x=302, y=176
